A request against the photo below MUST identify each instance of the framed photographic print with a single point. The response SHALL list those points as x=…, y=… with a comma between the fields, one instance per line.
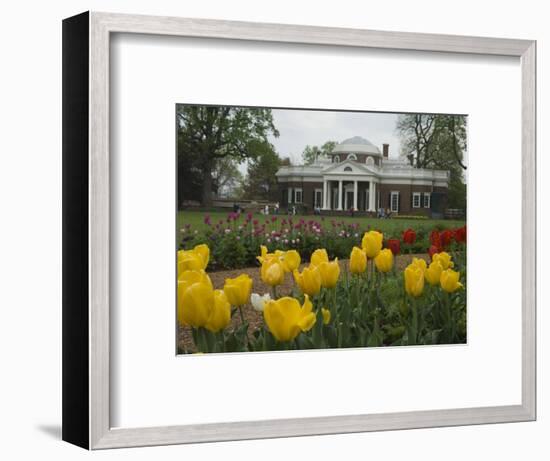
x=309, y=212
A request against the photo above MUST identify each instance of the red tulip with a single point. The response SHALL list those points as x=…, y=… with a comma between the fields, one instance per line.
x=394, y=245
x=433, y=250
x=435, y=239
x=446, y=237
x=409, y=236
x=460, y=234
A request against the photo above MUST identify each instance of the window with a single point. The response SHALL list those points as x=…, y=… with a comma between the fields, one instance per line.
x=348, y=168
x=369, y=161
x=416, y=199
x=427, y=197
x=297, y=195
x=336, y=159
x=318, y=202
x=394, y=202
x=352, y=157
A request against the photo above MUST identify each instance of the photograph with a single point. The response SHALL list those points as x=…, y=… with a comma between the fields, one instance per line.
x=312, y=229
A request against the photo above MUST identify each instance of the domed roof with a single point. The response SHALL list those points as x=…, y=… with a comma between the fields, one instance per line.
x=357, y=140
x=356, y=144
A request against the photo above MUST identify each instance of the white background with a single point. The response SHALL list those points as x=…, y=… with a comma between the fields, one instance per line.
x=30, y=183
x=149, y=75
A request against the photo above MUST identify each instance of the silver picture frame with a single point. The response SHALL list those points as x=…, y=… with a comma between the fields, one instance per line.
x=86, y=229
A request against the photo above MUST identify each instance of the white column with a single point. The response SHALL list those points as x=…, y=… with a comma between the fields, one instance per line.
x=325, y=206
x=340, y=194
x=355, y=193
x=372, y=196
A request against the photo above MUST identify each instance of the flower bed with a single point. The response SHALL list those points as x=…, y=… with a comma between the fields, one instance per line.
x=369, y=303
x=235, y=239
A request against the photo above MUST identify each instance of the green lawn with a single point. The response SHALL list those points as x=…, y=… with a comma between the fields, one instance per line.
x=390, y=227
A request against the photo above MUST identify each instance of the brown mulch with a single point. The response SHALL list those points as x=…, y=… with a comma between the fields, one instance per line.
x=254, y=318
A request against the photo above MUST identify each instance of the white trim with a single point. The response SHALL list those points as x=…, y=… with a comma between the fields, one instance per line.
x=301, y=192
x=394, y=193
x=297, y=178
x=340, y=195
x=412, y=182
x=352, y=156
x=417, y=195
x=319, y=204
x=358, y=167
x=427, y=195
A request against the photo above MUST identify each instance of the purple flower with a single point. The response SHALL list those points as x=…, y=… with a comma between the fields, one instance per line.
x=207, y=220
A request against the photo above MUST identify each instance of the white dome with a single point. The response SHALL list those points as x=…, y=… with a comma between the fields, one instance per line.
x=357, y=140
x=358, y=145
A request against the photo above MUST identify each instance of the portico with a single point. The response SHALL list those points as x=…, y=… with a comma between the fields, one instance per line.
x=344, y=193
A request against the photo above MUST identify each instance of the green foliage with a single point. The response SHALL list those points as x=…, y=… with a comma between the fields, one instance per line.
x=366, y=310
x=261, y=182
x=235, y=240
x=437, y=141
x=457, y=194
x=210, y=134
x=310, y=153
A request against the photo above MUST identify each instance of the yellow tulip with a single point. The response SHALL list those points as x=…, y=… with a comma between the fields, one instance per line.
x=330, y=271
x=195, y=259
x=195, y=303
x=433, y=273
x=326, y=315
x=285, y=318
x=414, y=280
x=384, y=260
x=449, y=280
x=263, y=254
x=188, y=260
x=444, y=259
x=372, y=243
x=220, y=316
x=357, y=261
x=204, y=251
x=291, y=260
x=319, y=256
x=272, y=272
x=309, y=280
x=190, y=277
x=238, y=289
x=420, y=264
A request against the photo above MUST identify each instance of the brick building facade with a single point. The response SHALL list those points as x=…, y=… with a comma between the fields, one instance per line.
x=356, y=175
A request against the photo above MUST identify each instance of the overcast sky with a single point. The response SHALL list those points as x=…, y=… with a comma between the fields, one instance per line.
x=299, y=128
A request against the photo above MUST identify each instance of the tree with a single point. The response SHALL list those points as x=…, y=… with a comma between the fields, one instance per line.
x=310, y=153
x=226, y=176
x=437, y=141
x=210, y=134
x=433, y=141
x=261, y=181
